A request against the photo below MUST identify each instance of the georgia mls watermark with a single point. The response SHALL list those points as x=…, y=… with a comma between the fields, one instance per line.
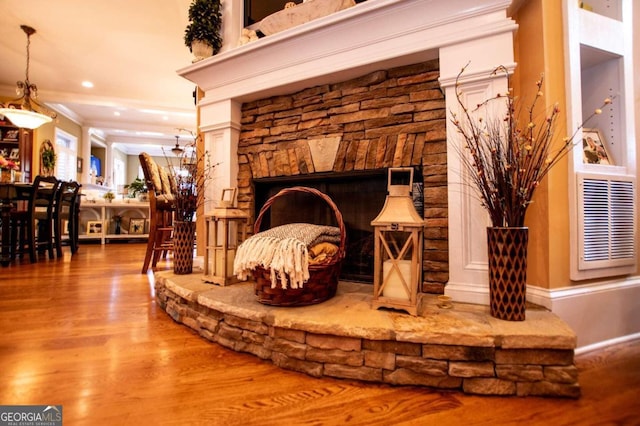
x=30, y=415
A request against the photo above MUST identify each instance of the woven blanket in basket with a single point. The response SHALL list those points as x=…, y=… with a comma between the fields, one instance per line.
x=284, y=250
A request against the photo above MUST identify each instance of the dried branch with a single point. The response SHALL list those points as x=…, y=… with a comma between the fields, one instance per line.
x=505, y=158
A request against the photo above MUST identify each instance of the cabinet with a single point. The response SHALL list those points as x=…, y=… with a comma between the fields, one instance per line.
x=99, y=221
x=16, y=144
x=600, y=65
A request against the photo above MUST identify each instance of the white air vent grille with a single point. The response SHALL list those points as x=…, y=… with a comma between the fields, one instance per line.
x=606, y=222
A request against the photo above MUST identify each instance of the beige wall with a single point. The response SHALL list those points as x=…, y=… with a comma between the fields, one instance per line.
x=538, y=50
x=47, y=131
x=636, y=97
x=539, y=44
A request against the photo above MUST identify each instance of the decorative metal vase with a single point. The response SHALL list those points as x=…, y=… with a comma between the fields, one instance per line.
x=508, y=272
x=183, y=239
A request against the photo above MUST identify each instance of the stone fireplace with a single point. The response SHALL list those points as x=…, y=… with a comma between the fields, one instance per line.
x=333, y=103
x=341, y=138
x=353, y=93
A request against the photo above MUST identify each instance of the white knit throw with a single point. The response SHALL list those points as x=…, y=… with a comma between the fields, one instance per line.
x=284, y=250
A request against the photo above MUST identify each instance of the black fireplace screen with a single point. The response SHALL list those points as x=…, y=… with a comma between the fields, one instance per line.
x=358, y=195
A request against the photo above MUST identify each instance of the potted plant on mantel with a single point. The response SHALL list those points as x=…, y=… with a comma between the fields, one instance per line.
x=505, y=159
x=202, y=35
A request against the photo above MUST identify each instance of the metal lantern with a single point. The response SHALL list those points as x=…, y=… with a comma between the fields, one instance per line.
x=398, y=231
x=225, y=229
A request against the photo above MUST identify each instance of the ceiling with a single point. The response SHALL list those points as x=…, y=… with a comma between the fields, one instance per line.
x=129, y=50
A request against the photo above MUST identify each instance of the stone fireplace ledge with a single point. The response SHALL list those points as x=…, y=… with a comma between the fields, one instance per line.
x=462, y=348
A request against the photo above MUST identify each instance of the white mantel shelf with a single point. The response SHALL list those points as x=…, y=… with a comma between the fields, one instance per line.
x=369, y=36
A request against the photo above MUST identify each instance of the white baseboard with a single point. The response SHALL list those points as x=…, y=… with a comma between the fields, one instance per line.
x=600, y=314
x=600, y=345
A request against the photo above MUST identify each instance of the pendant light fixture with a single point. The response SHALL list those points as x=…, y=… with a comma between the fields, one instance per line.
x=176, y=149
x=25, y=111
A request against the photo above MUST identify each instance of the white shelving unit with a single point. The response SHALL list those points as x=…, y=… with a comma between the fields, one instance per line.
x=600, y=65
x=102, y=213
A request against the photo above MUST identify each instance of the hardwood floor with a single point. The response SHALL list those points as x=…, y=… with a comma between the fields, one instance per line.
x=86, y=333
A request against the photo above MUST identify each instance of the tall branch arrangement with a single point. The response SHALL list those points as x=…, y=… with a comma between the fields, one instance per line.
x=507, y=156
x=190, y=176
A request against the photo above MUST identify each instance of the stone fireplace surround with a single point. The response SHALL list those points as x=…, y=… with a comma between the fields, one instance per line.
x=388, y=118
x=370, y=37
x=367, y=41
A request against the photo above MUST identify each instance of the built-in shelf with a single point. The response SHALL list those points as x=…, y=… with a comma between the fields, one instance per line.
x=609, y=8
x=16, y=145
x=599, y=53
x=96, y=220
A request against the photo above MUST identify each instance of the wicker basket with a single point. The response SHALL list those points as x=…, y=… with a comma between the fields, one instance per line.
x=323, y=279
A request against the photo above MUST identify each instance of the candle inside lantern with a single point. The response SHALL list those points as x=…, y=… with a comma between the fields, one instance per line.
x=231, y=254
x=393, y=284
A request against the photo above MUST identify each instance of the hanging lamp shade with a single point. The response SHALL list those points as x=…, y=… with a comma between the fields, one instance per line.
x=25, y=119
x=176, y=149
x=25, y=111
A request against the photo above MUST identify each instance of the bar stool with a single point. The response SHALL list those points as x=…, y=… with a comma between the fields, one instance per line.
x=66, y=210
x=161, y=209
x=32, y=229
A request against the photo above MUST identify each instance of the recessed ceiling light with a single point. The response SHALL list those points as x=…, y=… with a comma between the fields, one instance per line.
x=165, y=118
x=152, y=111
x=87, y=84
x=116, y=113
x=149, y=134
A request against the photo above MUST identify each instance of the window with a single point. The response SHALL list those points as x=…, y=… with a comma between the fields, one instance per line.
x=67, y=154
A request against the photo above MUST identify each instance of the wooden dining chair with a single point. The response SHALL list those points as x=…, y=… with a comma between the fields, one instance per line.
x=161, y=209
x=32, y=228
x=66, y=212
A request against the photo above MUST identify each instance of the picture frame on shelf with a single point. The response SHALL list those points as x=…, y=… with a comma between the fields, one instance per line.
x=136, y=226
x=11, y=135
x=14, y=154
x=94, y=227
x=594, y=148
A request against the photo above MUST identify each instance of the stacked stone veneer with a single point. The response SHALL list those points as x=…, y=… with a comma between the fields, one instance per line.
x=388, y=118
x=465, y=360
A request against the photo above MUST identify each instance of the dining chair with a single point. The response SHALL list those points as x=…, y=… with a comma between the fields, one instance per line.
x=32, y=228
x=161, y=209
x=66, y=212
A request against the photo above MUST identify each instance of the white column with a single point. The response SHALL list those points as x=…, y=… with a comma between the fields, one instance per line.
x=232, y=23
x=108, y=165
x=468, y=220
x=220, y=123
x=85, y=142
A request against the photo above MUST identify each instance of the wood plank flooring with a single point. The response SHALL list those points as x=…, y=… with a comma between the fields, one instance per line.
x=87, y=334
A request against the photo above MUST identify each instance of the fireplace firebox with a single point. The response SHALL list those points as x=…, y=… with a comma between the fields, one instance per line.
x=358, y=195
